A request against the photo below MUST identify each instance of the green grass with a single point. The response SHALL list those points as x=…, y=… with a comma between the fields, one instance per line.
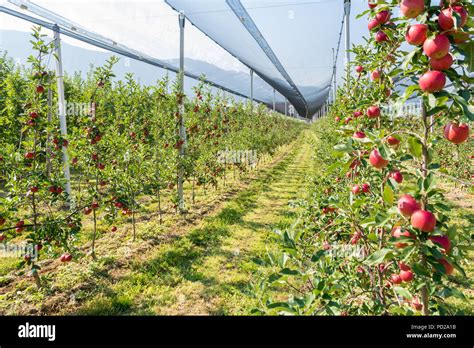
x=203, y=266
x=208, y=270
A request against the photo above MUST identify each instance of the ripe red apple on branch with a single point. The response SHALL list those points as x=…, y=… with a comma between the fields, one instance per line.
x=397, y=233
x=375, y=75
x=407, y=205
x=412, y=8
x=381, y=36
x=423, y=220
x=448, y=268
x=392, y=141
x=383, y=16
x=376, y=159
x=455, y=133
x=446, y=18
x=443, y=63
x=443, y=241
x=373, y=111
x=416, y=34
x=437, y=47
x=359, y=135
x=432, y=81
x=397, y=176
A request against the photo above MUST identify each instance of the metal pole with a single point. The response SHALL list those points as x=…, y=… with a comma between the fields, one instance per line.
x=273, y=99
x=182, y=129
x=251, y=90
x=62, y=110
x=334, y=76
x=347, y=13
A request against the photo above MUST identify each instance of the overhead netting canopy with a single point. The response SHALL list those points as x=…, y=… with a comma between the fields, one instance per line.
x=287, y=43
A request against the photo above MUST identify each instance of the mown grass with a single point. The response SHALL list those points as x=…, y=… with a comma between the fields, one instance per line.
x=205, y=270
x=208, y=271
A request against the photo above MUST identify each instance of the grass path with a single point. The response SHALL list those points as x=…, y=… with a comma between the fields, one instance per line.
x=208, y=270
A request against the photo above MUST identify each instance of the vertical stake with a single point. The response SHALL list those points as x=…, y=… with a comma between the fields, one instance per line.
x=62, y=111
x=182, y=129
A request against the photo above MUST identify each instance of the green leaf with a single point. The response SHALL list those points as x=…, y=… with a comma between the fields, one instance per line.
x=402, y=292
x=288, y=271
x=467, y=109
x=408, y=92
x=409, y=58
x=431, y=100
x=415, y=147
x=388, y=195
x=318, y=255
x=379, y=256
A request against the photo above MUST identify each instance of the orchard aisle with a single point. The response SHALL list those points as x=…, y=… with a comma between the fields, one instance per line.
x=209, y=270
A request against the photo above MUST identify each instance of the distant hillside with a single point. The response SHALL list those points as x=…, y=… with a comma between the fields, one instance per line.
x=77, y=59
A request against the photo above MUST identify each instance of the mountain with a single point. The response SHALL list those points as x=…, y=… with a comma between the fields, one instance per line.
x=77, y=59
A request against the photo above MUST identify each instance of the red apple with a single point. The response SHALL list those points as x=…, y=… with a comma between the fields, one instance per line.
x=456, y=134
x=33, y=114
x=2, y=237
x=423, y=220
x=375, y=75
x=397, y=176
x=381, y=36
x=416, y=304
x=29, y=155
x=365, y=188
x=395, y=278
x=2, y=221
x=359, y=69
x=357, y=114
x=416, y=34
x=373, y=23
x=437, y=47
x=114, y=229
x=432, y=81
x=87, y=211
x=347, y=120
x=446, y=20
x=448, y=268
x=34, y=189
x=377, y=160
x=359, y=135
x=355, y=189
x=39, y=89
x=397, y=233
x=406, y=276
x=407, y=205
x=95, y=205
x=442, y=63
x=412, y=8
x=337, y=118
x=372, y=4
x=383, y=16
x=65, y=257
x=443, y=241
x=403, y=266
x=391, y=140
x=19, y=226
x=373, y=111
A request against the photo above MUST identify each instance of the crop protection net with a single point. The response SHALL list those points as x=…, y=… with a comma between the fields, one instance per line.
x=287, y=43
